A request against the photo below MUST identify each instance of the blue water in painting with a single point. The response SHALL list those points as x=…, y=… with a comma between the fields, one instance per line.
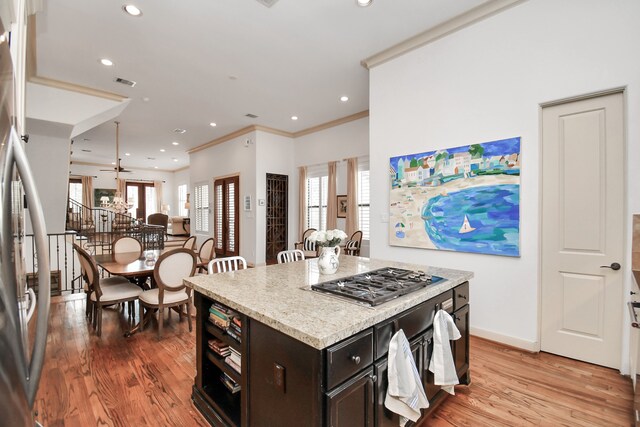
x=492, y=210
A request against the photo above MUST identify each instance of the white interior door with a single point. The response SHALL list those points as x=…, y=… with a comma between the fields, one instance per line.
x=582, y=229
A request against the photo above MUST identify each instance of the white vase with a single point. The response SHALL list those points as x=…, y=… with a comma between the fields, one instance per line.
x=328, y=262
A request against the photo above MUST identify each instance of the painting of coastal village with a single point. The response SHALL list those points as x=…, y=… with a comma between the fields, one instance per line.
x=464, y=199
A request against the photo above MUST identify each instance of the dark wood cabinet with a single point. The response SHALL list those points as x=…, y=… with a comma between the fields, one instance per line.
x=351, y=404
x=461, y=346
x=384, y=417
x=287, y=382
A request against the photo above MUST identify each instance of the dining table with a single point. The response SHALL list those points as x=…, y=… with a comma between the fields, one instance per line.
x=134, y=266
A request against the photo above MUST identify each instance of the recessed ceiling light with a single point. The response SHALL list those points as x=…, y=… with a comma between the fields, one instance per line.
x=127, y=154
x=146, y=99
x=155, y=167
x=364, y=3
x=113, y=163
x=132, y=10
x=162, y=150
x=212, y=124
x=344, y=98
x=106, y=62
x=175, y=143
x=294, y=117
x=178, y=130
x=175, y=160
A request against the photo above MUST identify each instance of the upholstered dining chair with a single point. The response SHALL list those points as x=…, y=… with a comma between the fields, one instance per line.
x=171, y=267
x=290, y=256
x=126, y=244
x=190, y=243
x=222, y=265
x=104, y=292
x=308, y=247
x=206, y=253
x=352, y=246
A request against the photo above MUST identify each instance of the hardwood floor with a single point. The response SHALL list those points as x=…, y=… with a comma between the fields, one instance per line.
x=141, y=381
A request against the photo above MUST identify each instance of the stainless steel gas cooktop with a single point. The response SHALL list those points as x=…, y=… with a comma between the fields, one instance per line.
x=378, y=286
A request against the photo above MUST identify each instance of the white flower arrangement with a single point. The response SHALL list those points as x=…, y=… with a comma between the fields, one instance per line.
x=328, y=238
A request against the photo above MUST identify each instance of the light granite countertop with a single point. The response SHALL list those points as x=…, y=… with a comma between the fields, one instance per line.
x=280, y=296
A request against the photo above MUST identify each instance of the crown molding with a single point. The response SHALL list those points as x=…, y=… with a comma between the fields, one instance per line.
x=303, y=132
x=58, y=84
x=457, y=23
x=333, y=123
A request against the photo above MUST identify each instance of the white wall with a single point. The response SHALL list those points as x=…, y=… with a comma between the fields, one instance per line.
x=228, y=158
x=337, y=143
x=274, y=154
x=179, y=178
x=484, y=83
x=48, y=155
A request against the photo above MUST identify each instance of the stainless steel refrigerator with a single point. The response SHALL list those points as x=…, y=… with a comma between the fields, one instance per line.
x=21, y=348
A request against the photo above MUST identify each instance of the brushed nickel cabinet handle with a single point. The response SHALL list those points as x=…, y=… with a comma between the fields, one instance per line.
x=356, y=359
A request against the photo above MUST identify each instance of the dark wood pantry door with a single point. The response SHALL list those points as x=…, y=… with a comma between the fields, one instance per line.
x=277, y=218
x=226, y=216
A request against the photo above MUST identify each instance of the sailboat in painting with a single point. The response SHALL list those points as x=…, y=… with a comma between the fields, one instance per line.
x=466, y=227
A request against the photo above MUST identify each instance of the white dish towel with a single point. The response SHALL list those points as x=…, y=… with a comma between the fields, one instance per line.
x=405, y=394
x=442, y=364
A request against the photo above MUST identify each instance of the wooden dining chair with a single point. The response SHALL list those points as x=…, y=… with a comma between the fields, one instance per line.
x=353, y=245
x=190, y=243
x=126, y=244
x=104, y=292
x=308, y=247
x=222, y=265
x=206, y=253
x=171, y=267
x=290, y=256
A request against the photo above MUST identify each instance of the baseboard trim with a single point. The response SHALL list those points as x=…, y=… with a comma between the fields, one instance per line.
x=531, y=346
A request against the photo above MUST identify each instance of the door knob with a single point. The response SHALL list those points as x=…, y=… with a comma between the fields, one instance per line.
x=613, y=266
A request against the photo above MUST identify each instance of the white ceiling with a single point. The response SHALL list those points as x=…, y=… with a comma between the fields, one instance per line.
x=201, y=61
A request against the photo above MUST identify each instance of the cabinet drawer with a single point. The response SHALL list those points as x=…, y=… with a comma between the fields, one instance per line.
x=461, y=295
x=348, y=357
x=412, y=322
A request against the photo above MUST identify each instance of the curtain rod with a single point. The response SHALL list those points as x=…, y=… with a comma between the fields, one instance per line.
x=80, y=176
x=141, y=180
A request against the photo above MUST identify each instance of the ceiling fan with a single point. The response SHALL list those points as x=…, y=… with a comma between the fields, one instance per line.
x=118, y=167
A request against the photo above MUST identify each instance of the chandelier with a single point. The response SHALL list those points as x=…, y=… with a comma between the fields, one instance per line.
x=117, y=204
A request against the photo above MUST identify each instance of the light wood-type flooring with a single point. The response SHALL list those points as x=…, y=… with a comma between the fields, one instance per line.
x=140, y=381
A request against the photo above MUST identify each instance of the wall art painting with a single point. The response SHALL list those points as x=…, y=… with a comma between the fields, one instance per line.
x=99, y=192
x=464, y=199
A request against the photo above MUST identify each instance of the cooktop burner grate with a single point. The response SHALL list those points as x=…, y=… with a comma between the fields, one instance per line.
x=378, y=286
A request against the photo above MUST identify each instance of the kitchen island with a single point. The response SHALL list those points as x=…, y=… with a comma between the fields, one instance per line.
x=309, y=358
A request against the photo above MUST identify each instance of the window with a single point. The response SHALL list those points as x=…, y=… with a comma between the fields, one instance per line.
x=201, y=202
x=363, y=202
x=75, y=190
x=317, y=188
x=182, y=199
x=150, y=200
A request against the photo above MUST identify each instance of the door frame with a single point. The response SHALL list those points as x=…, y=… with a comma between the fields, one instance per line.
x=238, y=210
x=615, y=90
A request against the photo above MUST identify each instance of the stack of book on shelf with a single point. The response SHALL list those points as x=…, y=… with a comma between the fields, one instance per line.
x=235, y=328
x=233, y=359
x=219, y=347
x=227, y=320
x=233, y=386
